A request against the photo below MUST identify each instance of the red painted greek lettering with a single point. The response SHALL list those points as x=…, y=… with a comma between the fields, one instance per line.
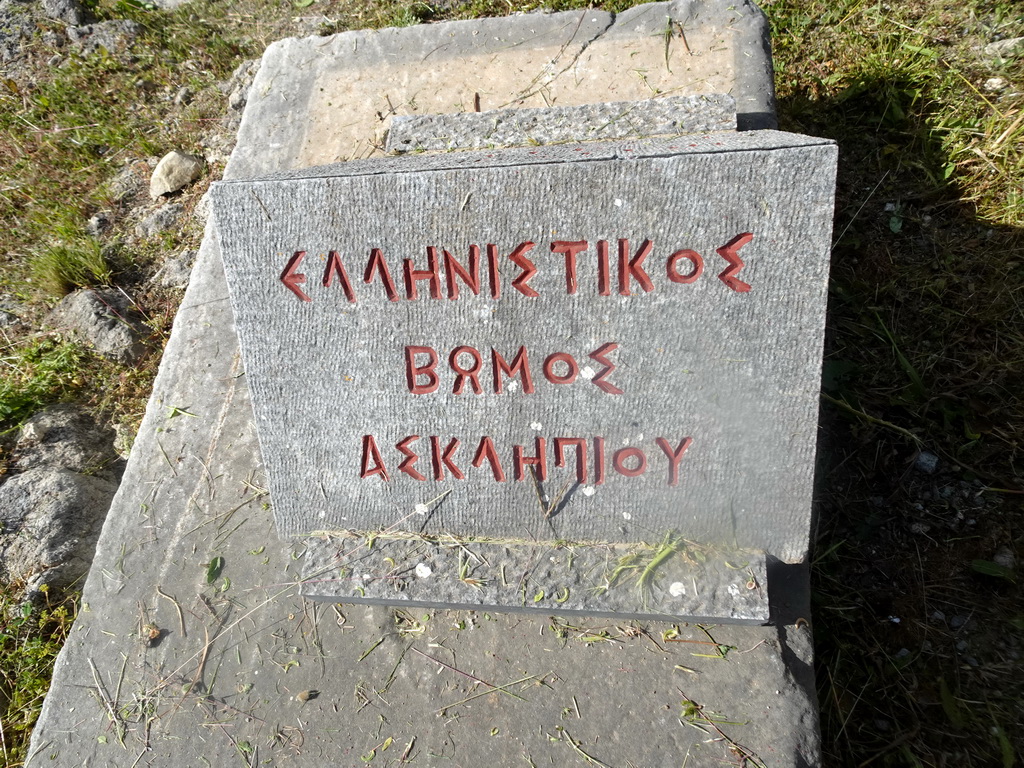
x=561, y=357
x=440, y=459
x=376, y=263
x=674, y=456
x=486, y=452
x=334, y=269
x=430, y=274
x=292, y=279
x=406, y=465
x=463, y=374
x=634, y=267
x=413, y=371
x=600, y=355
x=730, y=252
x=538, y=462
x=493, y=276
x=672, y=268
x=370, y=453
x=604, y=278
x=520, y=365
x=569, y=248
x=470, y=276
x=561, y=443
x=622, y=455
x=598, y=461
x=518, y=257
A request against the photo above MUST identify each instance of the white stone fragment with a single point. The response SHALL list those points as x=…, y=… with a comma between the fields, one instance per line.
x=677, y=589
x=423, y=571
x=174, y=171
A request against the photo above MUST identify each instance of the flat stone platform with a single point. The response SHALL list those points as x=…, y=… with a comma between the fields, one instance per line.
x=194, y=646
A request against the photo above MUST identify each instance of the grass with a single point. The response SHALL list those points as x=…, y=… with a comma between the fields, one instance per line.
x=30, y=638
x=925, y=346
x=924, y=352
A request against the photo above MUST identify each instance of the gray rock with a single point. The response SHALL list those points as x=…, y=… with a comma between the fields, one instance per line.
x=164, y=218
x=129, y=181
x=103, y=319
x=176, y=270
x=69, y=11
x=1005, y=557
x=184, y=96
x=66, y=437
x=240, y=83
x=926, y=462
x=99, y=223
x=15, y=26
x=1005, y=48
x=8, y=318
x=112, y=36
x=174, y=171
x=50, y=520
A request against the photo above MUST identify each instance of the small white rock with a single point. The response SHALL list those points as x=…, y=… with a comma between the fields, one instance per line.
x=421, y=509
x=677, y=589
x=174, y=171
x=423, y=570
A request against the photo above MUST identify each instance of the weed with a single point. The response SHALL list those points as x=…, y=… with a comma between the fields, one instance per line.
x=30, y=638
x=62, y=267
x=39, y=373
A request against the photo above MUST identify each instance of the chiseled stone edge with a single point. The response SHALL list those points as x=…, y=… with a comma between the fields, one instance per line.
x=674, y=579
x=672, y=115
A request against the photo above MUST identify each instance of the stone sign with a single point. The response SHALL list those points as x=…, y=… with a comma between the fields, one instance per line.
x=591, y=345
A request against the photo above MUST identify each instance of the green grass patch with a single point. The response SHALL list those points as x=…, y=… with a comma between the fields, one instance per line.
x=38, y=373
x=30, y=638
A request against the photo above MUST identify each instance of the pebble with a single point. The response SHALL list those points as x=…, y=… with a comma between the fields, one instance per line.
x=98, y=224
x=162, y=219
x=1004, y=48
x=957, y=621
x=938, y=616
x=174, y=171
x=995, y=84
x=926, y=462
x=1005, y=558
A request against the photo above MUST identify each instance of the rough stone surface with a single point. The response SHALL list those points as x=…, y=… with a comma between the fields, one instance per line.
x=69, y=11
x=236, y=667
x=735, y=371
x=66, y=437
x=551, y=125
x=99, y=223
x=164, y=218
x=238, y=86
x=531, y=60
x=16, y=26
x=129, y=181
x=104, y=319
x=693, y=584
x=112, y=36
x=49, y=522
x=176, y=270
x=174, y=171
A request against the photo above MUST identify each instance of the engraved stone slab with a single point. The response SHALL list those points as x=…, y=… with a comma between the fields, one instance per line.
x=597, y=343
x=551, y=125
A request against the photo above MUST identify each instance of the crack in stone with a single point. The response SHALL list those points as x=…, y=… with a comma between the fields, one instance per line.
x=530, y=89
